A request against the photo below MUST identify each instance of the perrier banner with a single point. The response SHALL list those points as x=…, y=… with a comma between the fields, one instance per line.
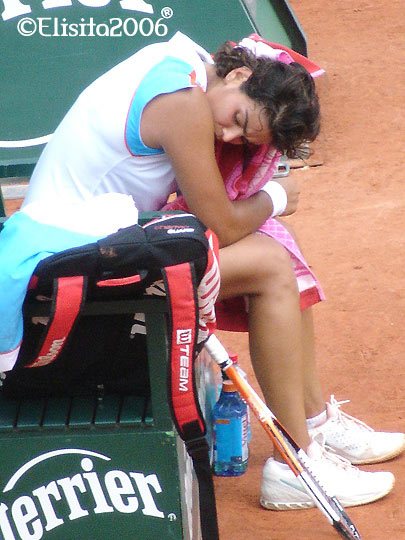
x=94, y=487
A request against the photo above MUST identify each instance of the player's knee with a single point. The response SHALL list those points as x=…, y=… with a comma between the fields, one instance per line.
x=276, y=267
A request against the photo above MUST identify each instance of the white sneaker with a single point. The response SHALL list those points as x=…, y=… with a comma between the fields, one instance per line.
x=354, y=440
x=281, y=490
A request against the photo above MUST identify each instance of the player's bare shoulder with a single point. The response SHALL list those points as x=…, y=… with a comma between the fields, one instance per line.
x=176, y=116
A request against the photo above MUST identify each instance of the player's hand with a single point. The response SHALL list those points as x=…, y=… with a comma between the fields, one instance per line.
x=290, y=184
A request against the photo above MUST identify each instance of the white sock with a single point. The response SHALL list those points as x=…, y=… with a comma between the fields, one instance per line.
x=318, y=420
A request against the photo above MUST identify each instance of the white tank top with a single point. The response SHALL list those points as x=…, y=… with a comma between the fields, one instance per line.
x=98, y=149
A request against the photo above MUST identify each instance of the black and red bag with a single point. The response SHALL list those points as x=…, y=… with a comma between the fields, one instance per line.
x=68, y=351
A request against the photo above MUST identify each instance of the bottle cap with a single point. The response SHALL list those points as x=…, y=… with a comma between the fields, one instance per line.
x=228, y=386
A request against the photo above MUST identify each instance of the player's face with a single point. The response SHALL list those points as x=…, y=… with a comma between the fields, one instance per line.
x=238, y=119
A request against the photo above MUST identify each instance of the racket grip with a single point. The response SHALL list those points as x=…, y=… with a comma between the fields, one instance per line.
x=218, y=352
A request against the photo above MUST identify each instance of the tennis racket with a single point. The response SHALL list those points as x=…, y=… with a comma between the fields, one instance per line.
x=294, y=456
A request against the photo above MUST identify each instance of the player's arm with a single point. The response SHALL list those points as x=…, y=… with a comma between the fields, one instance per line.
x=182, y=124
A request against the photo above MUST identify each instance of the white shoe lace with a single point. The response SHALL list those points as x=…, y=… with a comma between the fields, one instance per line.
x=345, y=419
x=329, y=454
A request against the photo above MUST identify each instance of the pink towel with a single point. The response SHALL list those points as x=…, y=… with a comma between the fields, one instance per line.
x=245, y=170
x=261, y=47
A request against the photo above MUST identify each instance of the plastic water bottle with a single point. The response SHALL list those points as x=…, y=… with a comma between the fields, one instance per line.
x=207, y=396
x=230, y=433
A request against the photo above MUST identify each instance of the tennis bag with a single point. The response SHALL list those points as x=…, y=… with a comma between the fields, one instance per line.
x=67, y=351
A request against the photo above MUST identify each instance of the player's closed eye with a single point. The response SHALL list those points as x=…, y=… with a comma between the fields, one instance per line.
x=243, y=138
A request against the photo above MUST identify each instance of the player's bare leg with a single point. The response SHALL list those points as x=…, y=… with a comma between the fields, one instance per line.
x=260, y=268
x=314, y=399
x=284, y=362
x=313, y=396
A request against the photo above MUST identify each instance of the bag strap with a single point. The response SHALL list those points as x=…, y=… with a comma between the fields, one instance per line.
x=181, y=291
x=68, y=299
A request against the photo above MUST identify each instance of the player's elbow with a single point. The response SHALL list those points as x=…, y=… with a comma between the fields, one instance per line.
x=229, y=233
x=227, y=238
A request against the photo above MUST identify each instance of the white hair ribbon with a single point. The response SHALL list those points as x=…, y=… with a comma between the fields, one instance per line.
x=259, y=48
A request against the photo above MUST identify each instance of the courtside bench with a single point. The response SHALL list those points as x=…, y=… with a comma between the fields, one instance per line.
x=109, y=466
x=101, y=467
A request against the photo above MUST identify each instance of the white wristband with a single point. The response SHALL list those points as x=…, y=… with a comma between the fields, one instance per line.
x=278, y=197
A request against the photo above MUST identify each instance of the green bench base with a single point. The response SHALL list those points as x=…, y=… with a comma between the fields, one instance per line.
x=101, y=469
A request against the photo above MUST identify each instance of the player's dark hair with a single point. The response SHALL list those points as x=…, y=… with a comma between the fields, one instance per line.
x=286, y=92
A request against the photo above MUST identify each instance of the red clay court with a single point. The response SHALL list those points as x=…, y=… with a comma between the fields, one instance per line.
x=351, y=222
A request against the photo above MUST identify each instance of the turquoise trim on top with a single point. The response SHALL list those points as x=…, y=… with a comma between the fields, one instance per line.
x=169, y=75
x=25, y=242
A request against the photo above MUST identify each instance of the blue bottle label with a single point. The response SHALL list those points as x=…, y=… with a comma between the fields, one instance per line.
x=231, y=436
